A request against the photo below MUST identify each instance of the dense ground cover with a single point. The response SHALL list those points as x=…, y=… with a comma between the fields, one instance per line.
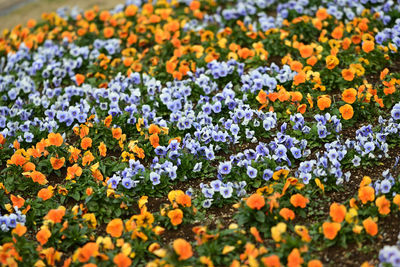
x=202, y=133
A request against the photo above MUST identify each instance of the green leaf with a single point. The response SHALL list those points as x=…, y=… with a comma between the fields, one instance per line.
x=260, y=216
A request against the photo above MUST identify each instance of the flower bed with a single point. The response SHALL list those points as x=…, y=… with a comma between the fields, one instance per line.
x=202, y=133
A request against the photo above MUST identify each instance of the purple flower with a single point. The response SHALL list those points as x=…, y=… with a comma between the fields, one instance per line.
x=225, y=167
x=296, y=152
x=155, y=178
x=251, y=172
x=127, y=183
x=226, y=192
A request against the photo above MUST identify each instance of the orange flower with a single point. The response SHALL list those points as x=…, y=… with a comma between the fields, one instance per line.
x=366, y=193
x=271, y=261
x=396, y=200
x=55, y=139
x=184, y=200
x=80, y=78
x=87, y=251
x=55, y=215
x=43, y=236
x=73, y=171
x=346, y=111
x=19, y=230
x=57, y=163
x=116, y=133
x=121, y=260
x=302, y=108
x=17, y=159
x=154, y=140
x=295, y=259
x=89, y=191
x=383, y=205
x=368, y=46
x=296, y=96
x=287, y=214
x=296, y=66
x=314, y=263
x=107, y=121
x=306, y=51
x=131, y=10
x=38, y=177
x=108, y=32
x=349, y=95
x=175, y=216
x=322, y=14
x=183, y=249
x=324, y=102
x=337, y=33
x=102, y=149
x=299, y=200
x=384, y=73
x=370, y=226
x=154, y=129
x=115, y=228
x=86, y=143
x=256, y=234
x=262, y=97
x=194, y=5
x=255, y=201
x=331, y=61
x=330, y=229
x=104, y=15
x=17, y=201
x=348, y=74
x=312, y=61
x=299, y=78
x=337, y=212
x=45, y=193
x=89, y=15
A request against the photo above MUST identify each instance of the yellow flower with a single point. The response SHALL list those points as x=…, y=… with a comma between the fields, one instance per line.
x=227, y=249
x=91, y=219
x=319, y=184
x=351, y=216
x=126, y=249
x=277, y=230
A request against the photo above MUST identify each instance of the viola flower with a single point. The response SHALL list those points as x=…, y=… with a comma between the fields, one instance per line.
x=115, y=227
x=298, y=200
x=337, y=212
x=57, y=163
x=86, y=143
x=46, y=193
x=155, y=178
x=294, y=258
x=348, y=74
x=43, y=235
x=366, y=193
x=368, y=46
x=183, y=249
x=121, y=260
x=255, y=201
x=251, y=172
x=346, y=111
x=370, y=226
x=383, y=205
x=277, y=231
x=175, y=216
x=287, y=214
x=56, y=215
x=349, y=95
x=271, y=261
x=324, y=102
x=330, y=229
